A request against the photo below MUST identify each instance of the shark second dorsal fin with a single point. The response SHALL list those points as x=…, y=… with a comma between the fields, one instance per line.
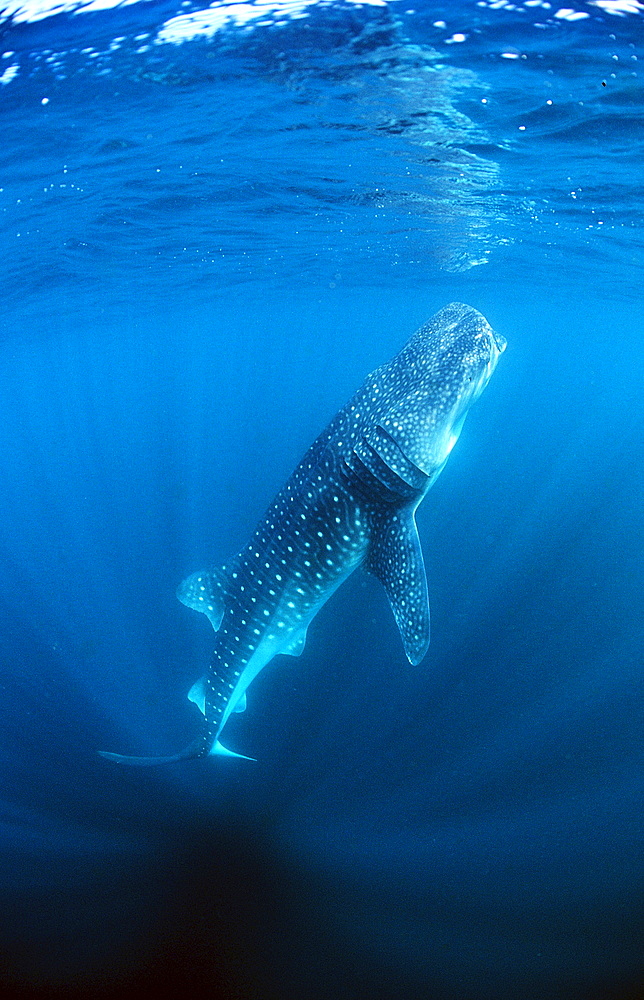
x=197, y=695
x=396, y=559
x=205, y=592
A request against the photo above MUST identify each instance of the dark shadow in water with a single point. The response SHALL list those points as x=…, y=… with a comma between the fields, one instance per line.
x=234, y=921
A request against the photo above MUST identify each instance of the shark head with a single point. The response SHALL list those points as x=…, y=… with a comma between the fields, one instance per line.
x=439, y=373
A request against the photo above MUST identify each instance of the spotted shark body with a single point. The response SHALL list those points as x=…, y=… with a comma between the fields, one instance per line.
x=351, y=501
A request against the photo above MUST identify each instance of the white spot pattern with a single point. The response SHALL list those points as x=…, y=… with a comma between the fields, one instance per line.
x=352, y=498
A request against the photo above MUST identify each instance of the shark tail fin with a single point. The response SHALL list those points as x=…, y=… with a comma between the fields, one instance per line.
x=196, y=749
x=220, y=751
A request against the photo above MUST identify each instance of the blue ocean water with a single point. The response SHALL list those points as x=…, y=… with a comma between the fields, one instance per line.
x=215, y=221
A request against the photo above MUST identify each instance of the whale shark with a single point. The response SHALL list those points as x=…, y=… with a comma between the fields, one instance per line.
x=350, y=502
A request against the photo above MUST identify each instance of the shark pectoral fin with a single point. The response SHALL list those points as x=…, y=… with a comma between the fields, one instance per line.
x=296, y=644
x=197, y=694
x=396, y=559
x=220, y=751
x=205, y=592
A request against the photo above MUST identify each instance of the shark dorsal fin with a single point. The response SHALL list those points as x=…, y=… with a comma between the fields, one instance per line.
x=197, y=694
x=396, y=559
x=205, y=592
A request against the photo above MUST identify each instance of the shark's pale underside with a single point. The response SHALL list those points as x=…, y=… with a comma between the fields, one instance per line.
x=351, y=501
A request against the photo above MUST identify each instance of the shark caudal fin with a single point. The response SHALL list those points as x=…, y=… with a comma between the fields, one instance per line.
x=220, y=751
x=120, y=758
x=196, y=749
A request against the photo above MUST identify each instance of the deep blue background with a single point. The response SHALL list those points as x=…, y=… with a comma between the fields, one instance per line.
x=247, y=226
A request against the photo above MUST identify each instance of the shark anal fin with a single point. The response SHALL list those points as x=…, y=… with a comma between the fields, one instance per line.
x=205, y=592
x=396, y=559
x=296, y=645
x=240, y=704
